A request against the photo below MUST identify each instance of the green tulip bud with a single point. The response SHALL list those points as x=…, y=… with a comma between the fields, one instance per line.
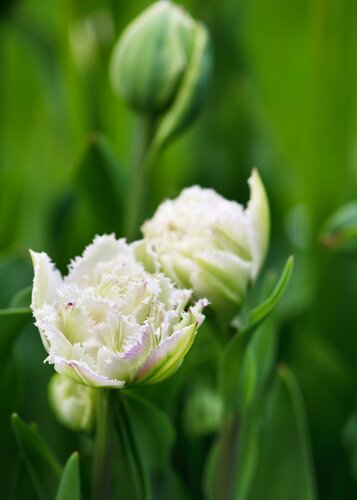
x=73, y=404
x=203, y=411
x=339, y=232
x=154, y=54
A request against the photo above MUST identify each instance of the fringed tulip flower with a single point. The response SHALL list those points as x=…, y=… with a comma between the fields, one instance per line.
x=109, y=322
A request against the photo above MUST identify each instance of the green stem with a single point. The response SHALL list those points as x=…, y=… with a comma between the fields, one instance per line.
x=141, y=162
x=132, y=451
x=103, y=445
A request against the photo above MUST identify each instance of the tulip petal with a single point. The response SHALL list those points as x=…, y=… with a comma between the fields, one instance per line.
x=122, y=365
x=165, y=359
x=47, y=280
x=144, y=253
x=257, y=221
x=80, y=372
x=222, y=277
x=104, y=249
x=51, y=336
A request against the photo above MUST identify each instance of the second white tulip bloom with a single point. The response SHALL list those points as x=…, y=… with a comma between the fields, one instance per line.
x=210, y=244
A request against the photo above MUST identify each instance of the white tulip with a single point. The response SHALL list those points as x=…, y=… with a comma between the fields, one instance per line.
x=210, y=244
x=109, y=322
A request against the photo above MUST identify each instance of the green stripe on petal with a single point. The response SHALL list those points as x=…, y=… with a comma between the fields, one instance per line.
x=164, y=360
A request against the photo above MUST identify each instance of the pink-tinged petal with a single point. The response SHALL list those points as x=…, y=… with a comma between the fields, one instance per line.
x=164, y=360
x=80, y=372
x=122, y=365
x=46, y=282
x=257, y=221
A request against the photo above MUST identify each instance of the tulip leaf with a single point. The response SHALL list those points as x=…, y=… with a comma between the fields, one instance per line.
x=284, y=468
x=22, y=298
x=11, y=322
x=247, y=460
x=231, y=465
x=153, y=431
x=145, y=440
x=248, y=358
x=43, y=467
x=128, y=463
x=69, y=486
x=259, y=313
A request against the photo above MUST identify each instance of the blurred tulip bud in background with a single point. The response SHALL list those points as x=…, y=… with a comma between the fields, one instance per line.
x=339, y=232
x=72, y=403
x=203, y=411
x=210, y=244
x=161, y=61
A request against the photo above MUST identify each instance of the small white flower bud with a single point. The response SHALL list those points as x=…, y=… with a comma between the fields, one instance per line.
x=73, y=404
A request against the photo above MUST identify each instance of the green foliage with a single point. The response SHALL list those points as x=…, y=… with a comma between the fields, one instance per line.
x=282, y=97
x=283, y=416
x=273, y=446
x=95, y=202
x=340, y=230
x=69, y=486
x=145, y=441
x=44, y=469
x=248, y=358
x=11, y=322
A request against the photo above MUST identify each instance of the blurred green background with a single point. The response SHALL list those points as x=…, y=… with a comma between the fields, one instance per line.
x=283, y=97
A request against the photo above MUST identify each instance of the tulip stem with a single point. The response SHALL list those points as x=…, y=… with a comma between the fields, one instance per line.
x=141, y=160
x=103, y=446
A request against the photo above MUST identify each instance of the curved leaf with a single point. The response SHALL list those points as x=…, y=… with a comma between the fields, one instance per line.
x=249, y=356
x=44, y=469
x=285, y=467
x=69, y=486
x=259, y=313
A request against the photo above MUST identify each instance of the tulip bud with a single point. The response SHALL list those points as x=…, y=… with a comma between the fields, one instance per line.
x=203, y=411
x=72, y=403
x=153, y=55
x=339, y=232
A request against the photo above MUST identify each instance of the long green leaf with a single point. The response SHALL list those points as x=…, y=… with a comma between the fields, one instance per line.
x=265, y=454
x=153, y=431
x=70, y=487
x=285, y=467
x=145, y=440
x=248, y=357
x=44, y=469
x=259, y=313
